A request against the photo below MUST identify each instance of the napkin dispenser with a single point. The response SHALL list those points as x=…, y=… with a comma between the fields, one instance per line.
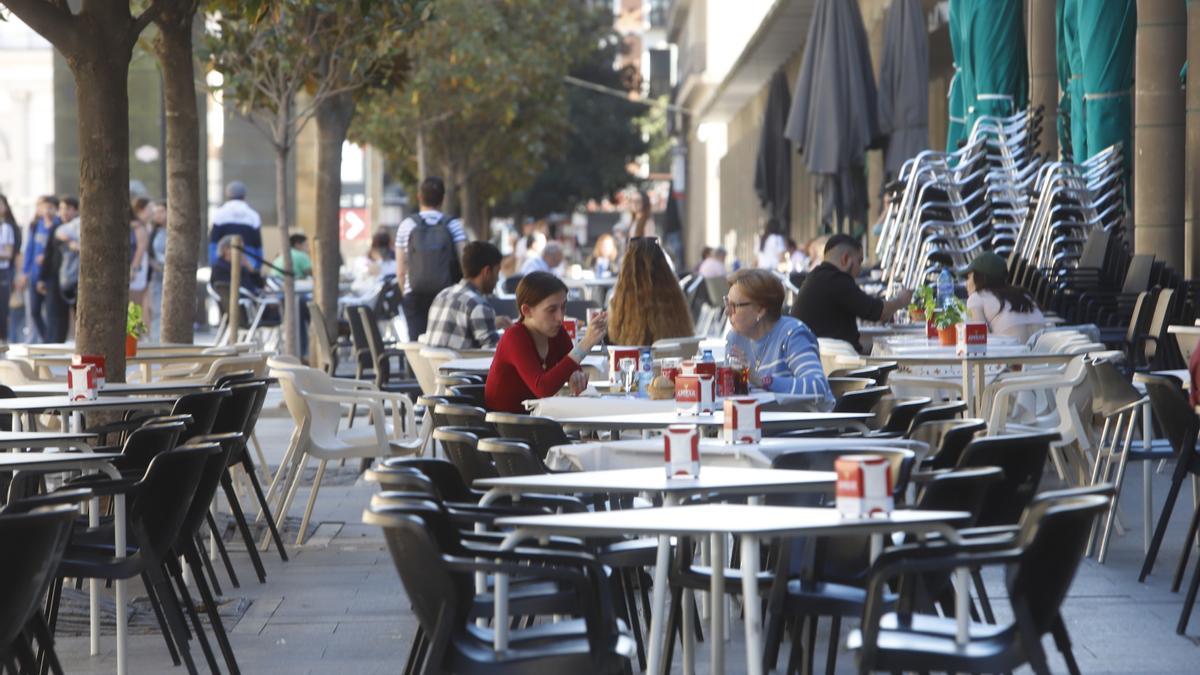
x=972, y=338
x=743, y=420
x=82, y=382
x=681, y=448
x=864, y=486
x=695, y=394
x=96, y=360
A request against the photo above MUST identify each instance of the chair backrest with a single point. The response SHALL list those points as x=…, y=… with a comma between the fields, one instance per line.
x=895, y=414
x=869, y=372
x=541, y=433
x=1053, y=538
x=203, y=406
x=323, y=342
x=1023, y=460
x=841, y=385
x=1158, y=323
x=358, y=339
x=937, y=413
x=678, y=348
x=164, y=497
x=225, y=365
x=512, y=457
x=422, y=370
x=461, y=449
x=313, y=403
x=1137, y=275
x=1140, y=319
x=435, y=357
x=31, y=547
x=6, y=419
x=457, y=415
x=861, y=400
x=900, y=463
x=1172, y=411
x=150, y=440
x=17, y=371
x=959, y=490
x=946, y=439
x=470, y=391
x=1111, y=391
x=444, y=474
x=370, y=326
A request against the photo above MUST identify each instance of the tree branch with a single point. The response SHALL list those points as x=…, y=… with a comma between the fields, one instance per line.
x=148, y=16
x=53, y=21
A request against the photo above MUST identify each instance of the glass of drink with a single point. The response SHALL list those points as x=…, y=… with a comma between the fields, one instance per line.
x=628, y=368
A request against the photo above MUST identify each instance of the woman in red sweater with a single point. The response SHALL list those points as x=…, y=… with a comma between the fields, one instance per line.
x=535, y=358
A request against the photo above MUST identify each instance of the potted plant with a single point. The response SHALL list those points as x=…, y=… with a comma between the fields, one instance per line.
x=947, y=320
x=134, y=328
x=921, y=304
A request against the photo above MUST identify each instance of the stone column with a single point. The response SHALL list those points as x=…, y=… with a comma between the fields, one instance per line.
x=1191, y=218
x=1043, y=70
x=1158, y=134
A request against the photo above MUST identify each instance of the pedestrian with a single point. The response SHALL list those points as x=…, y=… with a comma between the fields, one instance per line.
x=66, y=244
x=44, y=221
x=158, y=264
x=54, y=308
x=139, y=253
x=10, y=248
x=429, y=245
x=236, y=217
x=772, y=246
x=641, y=221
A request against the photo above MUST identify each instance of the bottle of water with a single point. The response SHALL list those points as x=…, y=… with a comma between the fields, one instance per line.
x=645, y=374
x=945, y=288
x=707, y=357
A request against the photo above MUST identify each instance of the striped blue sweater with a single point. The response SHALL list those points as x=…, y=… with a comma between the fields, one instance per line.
x=790, y=355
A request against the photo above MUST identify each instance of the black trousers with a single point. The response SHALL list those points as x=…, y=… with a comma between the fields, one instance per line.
x=416, y=312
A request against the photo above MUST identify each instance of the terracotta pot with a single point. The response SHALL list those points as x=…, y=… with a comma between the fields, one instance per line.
x=917, y=316
x=931, y=330
x=130, y=346
x=948, y=336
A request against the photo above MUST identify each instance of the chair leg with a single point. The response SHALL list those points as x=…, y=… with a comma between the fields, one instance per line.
x=1112, y=507
x=265, y=510
x=414, y=652
x=216, y=535
x=312, y=500
x=164, y=628
x=47, y=656
x=239, y=517
x=286, y=507
x=835, y=637
x=1164, y=518
x=796, y=653
x=626, y=578
x=262, y=457
x=175, y=572
x=1063, y=641
x=173, y=614
x=1189, y=601
x=810, y=644
x=1188, y=542
x=214, y=615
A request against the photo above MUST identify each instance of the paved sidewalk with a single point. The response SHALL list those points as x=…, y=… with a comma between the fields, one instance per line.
x=338, y=606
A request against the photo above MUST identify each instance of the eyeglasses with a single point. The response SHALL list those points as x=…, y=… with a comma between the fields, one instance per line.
x=735, y=305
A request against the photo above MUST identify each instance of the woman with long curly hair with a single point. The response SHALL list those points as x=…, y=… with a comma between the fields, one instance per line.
x=647, y=303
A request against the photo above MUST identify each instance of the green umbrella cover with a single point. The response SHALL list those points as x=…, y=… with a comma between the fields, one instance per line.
x=956, y=132
x=1106, y=38
x=1070, y=45
x=994, y=43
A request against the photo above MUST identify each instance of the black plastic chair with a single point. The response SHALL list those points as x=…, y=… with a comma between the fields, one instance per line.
x=541, y=433
x=894, y=415
x=471, y=391
x=459, y=444
x=162, y=499
x=458, y=415
x=1041, y=564
x=946, y=439
x=512, y=457
x=937, y=413
x=381, y=355
x=861, y=400
x=31, y=546
x=1022, y=458
x=439, y=586
x=840, y=385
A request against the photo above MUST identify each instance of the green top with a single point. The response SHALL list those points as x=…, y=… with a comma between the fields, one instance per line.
x=301, y=265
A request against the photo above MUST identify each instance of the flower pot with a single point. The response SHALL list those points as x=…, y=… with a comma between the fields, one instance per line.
x=130, y=345
x=948, y=336
x=931, y=330
x=917, y=316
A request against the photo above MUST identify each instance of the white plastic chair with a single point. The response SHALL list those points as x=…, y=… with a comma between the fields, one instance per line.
x=315, y=402
x=680, y=348
x=433, y=358
x=838, y=354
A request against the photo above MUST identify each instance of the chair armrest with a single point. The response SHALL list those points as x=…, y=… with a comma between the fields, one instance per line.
x=61, y=497
x=107, y=487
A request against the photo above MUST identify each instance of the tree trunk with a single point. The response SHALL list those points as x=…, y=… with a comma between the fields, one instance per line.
x=101, y=90
x=283, y=147
x=333, y=116
x=174, y=50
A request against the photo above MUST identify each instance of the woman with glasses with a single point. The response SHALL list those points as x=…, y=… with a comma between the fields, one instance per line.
x=780, y=351
x=647, y=303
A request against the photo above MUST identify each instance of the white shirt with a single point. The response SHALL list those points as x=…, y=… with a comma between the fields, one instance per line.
x=8, y=242
x=985, y=306
x=771, y=253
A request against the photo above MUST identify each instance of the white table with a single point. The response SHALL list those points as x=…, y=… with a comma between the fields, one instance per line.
x=662, y=420
x=1187, y=337
x=725, y=480
x=36, y=405
x=146, y=362
x=752, y=523
x=483, y=365
x=143, y=348
x=973, y=366
x=648, y=452
x=12, y=440
x=116, y=388
x=620, y=404
x=76, y=461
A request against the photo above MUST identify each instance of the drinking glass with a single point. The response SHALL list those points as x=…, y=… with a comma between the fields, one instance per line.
x=628, y=368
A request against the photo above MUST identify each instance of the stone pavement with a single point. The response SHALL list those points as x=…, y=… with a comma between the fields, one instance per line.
x=338, y=606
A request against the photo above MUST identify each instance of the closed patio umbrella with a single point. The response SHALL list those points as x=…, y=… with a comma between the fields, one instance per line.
x=1106, y=30
x=773, y=168
x=956, y=131
x=1063, y=67
x=1068, y=46
x=904, y=85
x=993, y=40
x=833, y=120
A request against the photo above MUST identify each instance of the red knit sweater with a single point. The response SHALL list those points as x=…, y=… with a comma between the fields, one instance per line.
x=519, y=374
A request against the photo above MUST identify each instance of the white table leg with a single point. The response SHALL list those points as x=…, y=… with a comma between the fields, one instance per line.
x=967, y=389
x=716, y=633
x=962, y=603
x=658, y=611
x=1147, y=484
x=94, y=585
x=751, y=605
x=119, y=584
x=688, y=632
x=18, y=421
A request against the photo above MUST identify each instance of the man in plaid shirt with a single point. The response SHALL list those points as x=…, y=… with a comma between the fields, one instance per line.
x=460, y=317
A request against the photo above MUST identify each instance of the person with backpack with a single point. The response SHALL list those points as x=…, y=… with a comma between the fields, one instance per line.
x=428, y=248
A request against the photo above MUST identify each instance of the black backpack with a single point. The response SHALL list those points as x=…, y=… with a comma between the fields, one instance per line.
x=432, y=257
